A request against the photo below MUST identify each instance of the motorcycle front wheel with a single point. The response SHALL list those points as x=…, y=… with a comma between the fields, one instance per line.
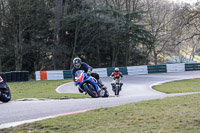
x=117, y=90
x=91, y=90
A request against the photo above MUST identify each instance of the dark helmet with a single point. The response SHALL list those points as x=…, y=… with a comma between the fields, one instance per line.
x=77, y=62
x=116, y=69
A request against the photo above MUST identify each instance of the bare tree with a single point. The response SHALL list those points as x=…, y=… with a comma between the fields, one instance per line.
x=191, y=28
x=161, y=18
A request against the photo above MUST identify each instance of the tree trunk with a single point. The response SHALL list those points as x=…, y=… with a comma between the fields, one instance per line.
x=193, y=50
x=155, y=57
x=115, y=54
x=127, y=39
x=18, y=52
x=66, y=3
x=98, y=56
x=127, y=53
x=113, y=63
x=74, y=45
x=57, y=50
x=19, y=42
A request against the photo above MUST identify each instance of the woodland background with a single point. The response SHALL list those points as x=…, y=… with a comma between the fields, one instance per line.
x=47, y=34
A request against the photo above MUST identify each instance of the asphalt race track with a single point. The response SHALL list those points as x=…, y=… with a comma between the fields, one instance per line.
x=136, y=88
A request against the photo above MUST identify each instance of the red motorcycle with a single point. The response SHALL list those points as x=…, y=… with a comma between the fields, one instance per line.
x=5, y=94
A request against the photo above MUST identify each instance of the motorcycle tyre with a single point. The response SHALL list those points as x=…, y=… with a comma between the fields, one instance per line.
x=6, y=98
x=116, y=90
x=91, y=90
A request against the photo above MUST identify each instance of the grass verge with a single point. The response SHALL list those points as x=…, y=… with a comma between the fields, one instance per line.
x=40, y=89
x=174, y=114
x=191, y=85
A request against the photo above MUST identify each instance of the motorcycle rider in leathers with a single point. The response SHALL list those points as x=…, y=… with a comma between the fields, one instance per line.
x=79, y=65
x=116, y=75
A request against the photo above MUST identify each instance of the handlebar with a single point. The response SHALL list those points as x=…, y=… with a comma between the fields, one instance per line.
x=119, y=78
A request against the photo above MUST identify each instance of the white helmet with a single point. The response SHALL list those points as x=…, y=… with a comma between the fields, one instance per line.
x=116, y=69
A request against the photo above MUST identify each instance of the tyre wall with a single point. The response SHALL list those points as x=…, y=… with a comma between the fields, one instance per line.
x=15, y=76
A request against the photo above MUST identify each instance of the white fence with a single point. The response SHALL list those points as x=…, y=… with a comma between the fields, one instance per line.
x=55, y=75
x=37, y=75
x=133, y=70
x=175, y=67
x=101, y=71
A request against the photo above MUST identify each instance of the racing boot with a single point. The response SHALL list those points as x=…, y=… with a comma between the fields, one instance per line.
x=121, y=86
x=101, y=85
x=113, y=86
x=101, y=93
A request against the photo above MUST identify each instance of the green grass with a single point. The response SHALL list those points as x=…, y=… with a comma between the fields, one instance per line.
x=168, y=115
x=192, y=85
x=40, y=89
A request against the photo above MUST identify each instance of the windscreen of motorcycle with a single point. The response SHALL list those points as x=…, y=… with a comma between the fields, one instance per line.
x=79, y=75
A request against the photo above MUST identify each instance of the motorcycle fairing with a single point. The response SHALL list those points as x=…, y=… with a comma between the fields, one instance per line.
x=82, y=78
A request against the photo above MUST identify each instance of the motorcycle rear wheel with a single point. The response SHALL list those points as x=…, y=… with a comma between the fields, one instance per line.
x=117, y=90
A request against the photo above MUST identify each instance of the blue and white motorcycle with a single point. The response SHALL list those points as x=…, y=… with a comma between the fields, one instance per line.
x=89, y=85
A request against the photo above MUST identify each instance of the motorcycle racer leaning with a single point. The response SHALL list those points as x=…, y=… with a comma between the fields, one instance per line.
x=116, y=75
x=79, y=65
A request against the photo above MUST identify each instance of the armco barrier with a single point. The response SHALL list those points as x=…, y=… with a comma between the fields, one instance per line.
x=101, y=71
x=192, y=66
x=175, y=67
x=157, y=68
x=67, y=74
x=37, y=75
x=49, y=75
x=55, y=75
x=130, y=70
x=133, y=70
x=43, y=75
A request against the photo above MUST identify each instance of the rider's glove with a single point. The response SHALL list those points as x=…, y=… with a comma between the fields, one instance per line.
x=89, y=73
